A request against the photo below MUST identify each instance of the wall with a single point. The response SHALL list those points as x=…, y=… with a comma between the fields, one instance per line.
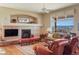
x=72, y=10
x=45, y=22
x=5, y=14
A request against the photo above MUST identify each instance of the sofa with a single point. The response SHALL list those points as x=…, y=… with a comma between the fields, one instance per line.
x=56, y=48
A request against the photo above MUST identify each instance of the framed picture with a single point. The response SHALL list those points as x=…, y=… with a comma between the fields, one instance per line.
x=23, y=20
x=13, y=20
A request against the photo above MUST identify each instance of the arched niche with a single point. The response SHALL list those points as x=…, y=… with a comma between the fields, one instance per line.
x=23, y=19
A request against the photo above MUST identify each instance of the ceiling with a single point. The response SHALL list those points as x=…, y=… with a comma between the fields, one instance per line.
x=36, y=7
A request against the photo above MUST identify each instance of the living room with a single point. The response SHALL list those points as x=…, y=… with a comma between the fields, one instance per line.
x=32, y=30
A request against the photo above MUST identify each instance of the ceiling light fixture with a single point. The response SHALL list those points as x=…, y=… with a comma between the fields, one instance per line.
x=44, y=9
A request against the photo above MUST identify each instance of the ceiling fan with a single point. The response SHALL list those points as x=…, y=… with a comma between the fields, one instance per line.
x=45, y=9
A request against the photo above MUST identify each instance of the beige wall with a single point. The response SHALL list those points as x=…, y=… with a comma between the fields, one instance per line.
x=5, y=14
x=73, y=10
x=45, y=22
x=42, y=19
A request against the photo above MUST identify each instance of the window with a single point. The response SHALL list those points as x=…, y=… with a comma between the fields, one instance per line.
x=64, y=23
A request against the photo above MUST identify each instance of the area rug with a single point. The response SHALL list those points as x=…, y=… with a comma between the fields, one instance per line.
x=26, y=49
x=2, y=51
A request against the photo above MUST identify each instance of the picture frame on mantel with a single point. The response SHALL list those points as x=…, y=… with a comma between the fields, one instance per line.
x=23, y=20
x=13, y=21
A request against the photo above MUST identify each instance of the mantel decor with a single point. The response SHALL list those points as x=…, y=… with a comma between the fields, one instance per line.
x=23, y=19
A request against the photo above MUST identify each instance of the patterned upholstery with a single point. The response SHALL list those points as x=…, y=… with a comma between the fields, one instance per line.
x=71, y=47
x=42, y=50
x=57, y=48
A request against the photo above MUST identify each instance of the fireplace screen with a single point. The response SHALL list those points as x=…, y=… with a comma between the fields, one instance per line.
x=10, y=32
x=26, y=33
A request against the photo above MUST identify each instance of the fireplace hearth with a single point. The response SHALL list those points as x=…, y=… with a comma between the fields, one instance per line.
x=25, y=33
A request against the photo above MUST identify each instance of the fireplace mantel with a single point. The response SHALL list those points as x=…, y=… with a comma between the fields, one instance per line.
x=35, y=29
x=39, y=25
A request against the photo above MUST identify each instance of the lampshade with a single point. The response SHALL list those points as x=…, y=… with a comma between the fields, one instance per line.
x=49, y=30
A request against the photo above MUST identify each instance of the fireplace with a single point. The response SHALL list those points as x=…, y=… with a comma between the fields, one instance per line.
x=17, y=31
x=10, y=32
x=25, y=33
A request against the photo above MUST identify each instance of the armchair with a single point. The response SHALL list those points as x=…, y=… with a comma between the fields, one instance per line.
x=71, y=48
x=74, y=45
